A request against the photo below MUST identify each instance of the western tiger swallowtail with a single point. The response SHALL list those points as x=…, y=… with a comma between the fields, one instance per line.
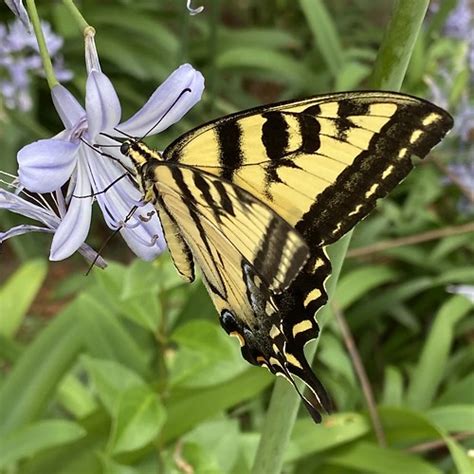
x=254, y=198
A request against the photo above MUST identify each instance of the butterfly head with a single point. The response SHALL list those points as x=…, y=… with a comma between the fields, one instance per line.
x=139, y=153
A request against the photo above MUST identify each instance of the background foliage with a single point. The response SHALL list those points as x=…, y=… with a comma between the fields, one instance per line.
x=127, y=371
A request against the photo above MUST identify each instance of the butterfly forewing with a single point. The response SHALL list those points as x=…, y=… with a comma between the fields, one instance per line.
x=322, y=162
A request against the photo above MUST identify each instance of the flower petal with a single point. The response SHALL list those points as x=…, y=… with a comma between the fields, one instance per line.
x=142, y=231
x=74, y=227
x=16, y=6
x=68, y=108
x=165, y=104
x=45, y=165
x=102, y=104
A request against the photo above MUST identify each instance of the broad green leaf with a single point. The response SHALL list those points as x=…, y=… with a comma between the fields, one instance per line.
x=206, y=355
x=138, y=420
x=189, y=457
x=361, y=281
x=36, y=437
x=369, y=458
x=333, y=354
x=218, y=439
x=429, y=371
x=325, y=34
x=187, y=408
x=107, y=337
x=110, y=380
x=139, y=279
x=75, y=397
x=109, y=466
x=31, y=384
x=308, y=438
x=132, y=23
x=459, y=392
x=405, y=427
x=264, y=37
x=453, y=418
x=17, y=294
x=279, y=65
x=351, y=75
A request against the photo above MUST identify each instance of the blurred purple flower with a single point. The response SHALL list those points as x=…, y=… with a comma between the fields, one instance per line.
x=459, y=22
x=460, y=25
x=16, y=6
x=46, y=165
x=20, y=59
x=41, y=209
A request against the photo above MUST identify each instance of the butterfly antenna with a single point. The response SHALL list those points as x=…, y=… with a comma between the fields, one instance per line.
x=165, y=114
x=110, y=237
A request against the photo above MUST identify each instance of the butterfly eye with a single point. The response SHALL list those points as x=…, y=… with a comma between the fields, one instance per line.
x=125, y=147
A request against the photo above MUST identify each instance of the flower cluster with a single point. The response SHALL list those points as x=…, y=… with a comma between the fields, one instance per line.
x=20, y=60
x=81, y=159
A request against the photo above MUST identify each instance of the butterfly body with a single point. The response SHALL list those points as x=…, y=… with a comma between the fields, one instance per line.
x=253, y=198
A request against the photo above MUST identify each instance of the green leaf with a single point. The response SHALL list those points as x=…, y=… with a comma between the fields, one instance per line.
x=464, y=463
x=453, y=418
x=429, y=371
x=110, y=380
x=18, y=293
x=361, y=281
x=75, y=397
x=369, y=458
x=107, y=337
x=393, y=387
x=351, y=75
x=459, y=392
x=405, y=427
x=308, y=438
x=187, y=408
x=139, y=418
x=325, y=34
x=264, y=37
x=31, y=384
x=37, y=437
x=111, y=467
x=218, y=439
x=206, y=355
x=279, y=65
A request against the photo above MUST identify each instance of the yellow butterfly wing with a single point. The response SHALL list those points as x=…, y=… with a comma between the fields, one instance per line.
x=236, y=240
x=320, y=163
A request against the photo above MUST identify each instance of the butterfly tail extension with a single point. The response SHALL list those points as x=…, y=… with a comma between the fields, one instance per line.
x=312, y=394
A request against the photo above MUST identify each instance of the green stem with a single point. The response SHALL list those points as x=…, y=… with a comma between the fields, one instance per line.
x=397, y=44
x=43, y=50
x=285, y=401
x=76, y=14
x=389, y=70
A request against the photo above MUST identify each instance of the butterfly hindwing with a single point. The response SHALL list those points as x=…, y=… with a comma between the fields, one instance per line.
x=228, y=231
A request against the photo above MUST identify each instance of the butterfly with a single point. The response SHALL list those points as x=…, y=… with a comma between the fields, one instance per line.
x=253, y=199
